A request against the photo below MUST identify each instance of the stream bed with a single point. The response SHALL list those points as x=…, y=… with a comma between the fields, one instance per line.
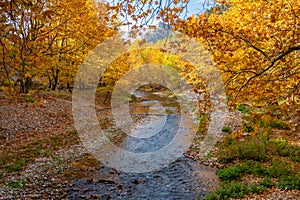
x=183, y=179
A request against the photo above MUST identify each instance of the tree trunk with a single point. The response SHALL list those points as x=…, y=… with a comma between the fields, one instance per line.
x=55, y=74
x=25, y=84
x=69, y=87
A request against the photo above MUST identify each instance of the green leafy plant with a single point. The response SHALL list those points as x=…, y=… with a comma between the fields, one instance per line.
x=279, y=124
x=248, y=128
x=230, y=173
x=267, y=182
x=243, y=109
x=235, y=190
x=289, y=182
x=226, y=129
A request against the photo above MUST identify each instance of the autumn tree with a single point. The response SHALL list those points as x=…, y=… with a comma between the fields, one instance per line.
x=49, y=38
x=255, y=45
x=22, y=22
x=83, y=25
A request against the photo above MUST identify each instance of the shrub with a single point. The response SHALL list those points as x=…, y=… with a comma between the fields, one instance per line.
x=289, y=182
x=235, y=190
x=279, y=124
x=266, y=182
x=226, y=129
x=230, y=173
x=279, y=168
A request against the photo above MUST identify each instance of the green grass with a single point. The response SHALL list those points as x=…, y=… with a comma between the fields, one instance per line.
x=226, y=129
x=230, y=173
x=289, y=182
x=267, y=182
x=274, y=162
x=259, y=148
x=235, y=190
x=243, y=109
x=17, y=166
x=274, y=169
x=15, y=183
x=278, y=124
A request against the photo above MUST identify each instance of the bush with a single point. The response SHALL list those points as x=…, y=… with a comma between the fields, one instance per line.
x=230, y=173
x=279, y=124
x=260, y=157
x=266, y=182
x=278, y=168
x=235, y=190
x=226, y=129
x=289, y=182
x=253, y=149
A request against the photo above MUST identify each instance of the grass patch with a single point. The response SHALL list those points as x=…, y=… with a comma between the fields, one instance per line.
x=267, y=182
x=289, y=182
x=270, y=162
x=259, y=148
x=235, y=190
x=230, y=173
x=15, y=183
x=244, y=109
x=279, y=124
x=250, y=149
x=15, y=167
x=226, y=129
x=14, y=158
x=274, y=162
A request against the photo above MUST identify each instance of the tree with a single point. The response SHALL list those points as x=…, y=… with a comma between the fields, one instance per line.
x=49, y=38
x=256, y=46
x=23, y=22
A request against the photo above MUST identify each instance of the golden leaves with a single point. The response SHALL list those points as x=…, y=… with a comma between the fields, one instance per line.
x=246, y=39
x=51, y=35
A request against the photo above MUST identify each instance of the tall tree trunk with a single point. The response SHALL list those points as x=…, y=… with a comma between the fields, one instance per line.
x=3, y=61
x=25, y=84
x=55, y=73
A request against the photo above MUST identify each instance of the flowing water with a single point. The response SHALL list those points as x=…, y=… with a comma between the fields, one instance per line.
x=182, y=179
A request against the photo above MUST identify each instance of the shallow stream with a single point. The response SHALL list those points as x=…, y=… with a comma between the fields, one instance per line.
x=182, y=179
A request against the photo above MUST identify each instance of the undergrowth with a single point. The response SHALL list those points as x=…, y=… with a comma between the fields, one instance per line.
x=266, y=162
x=274, y=162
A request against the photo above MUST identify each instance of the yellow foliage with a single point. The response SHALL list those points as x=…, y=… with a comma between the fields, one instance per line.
x=255, y=45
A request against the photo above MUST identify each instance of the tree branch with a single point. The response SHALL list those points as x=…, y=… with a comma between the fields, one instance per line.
x=271, y=60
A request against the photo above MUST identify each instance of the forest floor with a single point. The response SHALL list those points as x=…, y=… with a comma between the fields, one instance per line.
x=41, y=153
